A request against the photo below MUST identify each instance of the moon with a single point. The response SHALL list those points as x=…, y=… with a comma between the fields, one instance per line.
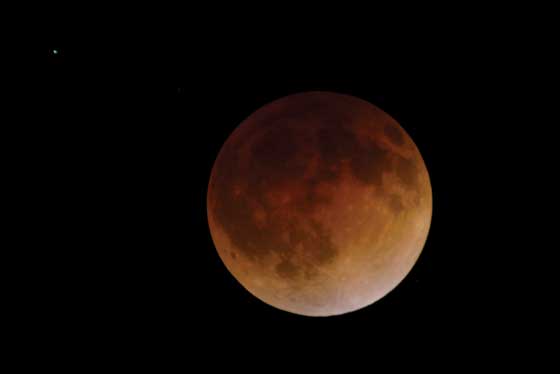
x=319, y=203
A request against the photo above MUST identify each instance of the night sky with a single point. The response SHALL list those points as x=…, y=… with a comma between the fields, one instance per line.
x=119, y=167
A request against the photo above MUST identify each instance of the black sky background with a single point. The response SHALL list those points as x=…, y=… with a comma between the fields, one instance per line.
x=127, y=130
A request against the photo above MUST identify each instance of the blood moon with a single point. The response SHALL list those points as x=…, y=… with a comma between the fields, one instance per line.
x=319, y=203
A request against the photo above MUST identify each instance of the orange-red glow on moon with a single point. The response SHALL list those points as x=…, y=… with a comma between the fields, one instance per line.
x=319, y=203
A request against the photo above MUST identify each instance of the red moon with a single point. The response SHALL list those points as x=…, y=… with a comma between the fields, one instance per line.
x=319, y=203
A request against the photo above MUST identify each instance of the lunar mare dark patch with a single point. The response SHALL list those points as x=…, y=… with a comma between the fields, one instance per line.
x=368, y=163
x=395, y=202
x=281, y=154
x=311, y=200
x=321, y=245
x=407, y=172
x=337, y=142
x=394, y=134
x=286, y=269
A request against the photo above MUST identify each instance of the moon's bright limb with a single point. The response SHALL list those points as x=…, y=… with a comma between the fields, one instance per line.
x=319, y=203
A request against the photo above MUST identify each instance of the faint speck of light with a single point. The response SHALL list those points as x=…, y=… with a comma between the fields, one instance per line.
x=55, y=51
